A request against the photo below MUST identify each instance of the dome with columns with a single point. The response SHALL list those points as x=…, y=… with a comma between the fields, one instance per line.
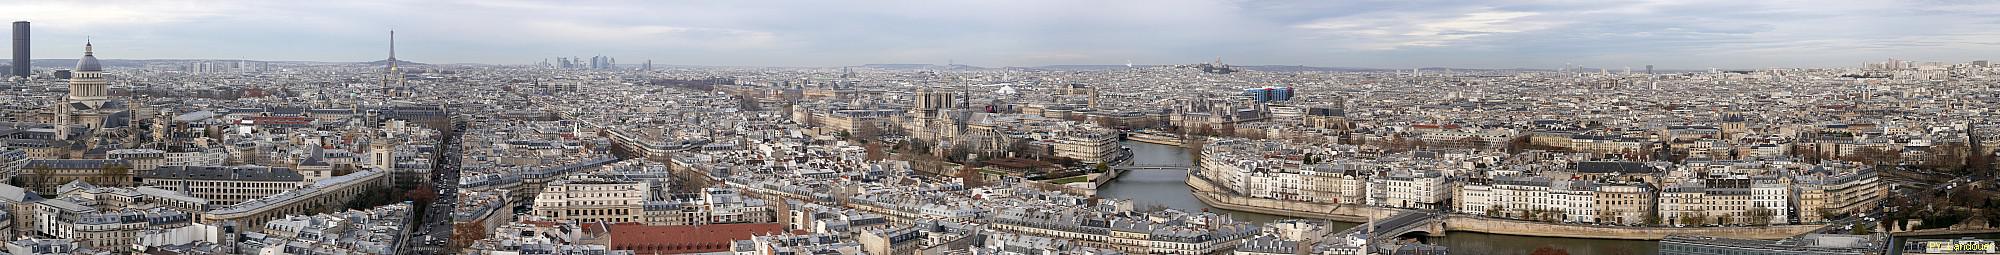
x=89, y=61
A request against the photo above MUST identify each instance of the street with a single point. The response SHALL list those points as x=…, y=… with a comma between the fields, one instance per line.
x=434, y=233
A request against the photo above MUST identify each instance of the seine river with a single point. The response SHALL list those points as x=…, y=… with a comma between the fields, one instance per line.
x=1169, y=189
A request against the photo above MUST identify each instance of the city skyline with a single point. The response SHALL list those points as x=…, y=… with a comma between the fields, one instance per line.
x=832, y=128
x=1677, y=35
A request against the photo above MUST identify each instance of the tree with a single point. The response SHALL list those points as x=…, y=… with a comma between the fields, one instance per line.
x=1471, y=142
x=1946, y=157
x=1252, y=134
x=1205, y=130
x=1760, y=215
x=960, y=152
x=971, y=176
x=1980, y=163
x=917, y=146
x=115, y=175
x=1874, y=156
x=373, y=197
x=1653, y=217
x=422, y=195
x=464, y=234
x=43, y=175
x=1694, y=218
x=1024, y=148
x=866, y=131
x=1101, y=168
x=1611, y=216
x=874, y=152
x=1108, y=122
x=1194, y=146
x=1517, y=144
x=1863, y=229
x=1397, y=144
x=1991, y=216
x=1495, y=210
x=746, y=103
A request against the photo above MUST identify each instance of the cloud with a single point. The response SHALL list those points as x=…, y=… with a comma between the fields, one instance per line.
x=660, y=35
x=1395, y=30
x=83, y=15
x=1398, y=33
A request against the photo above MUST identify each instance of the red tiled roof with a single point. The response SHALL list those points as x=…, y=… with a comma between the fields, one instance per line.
x=645, y=239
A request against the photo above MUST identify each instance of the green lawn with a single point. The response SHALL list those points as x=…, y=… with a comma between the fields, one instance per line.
x=1067, y=180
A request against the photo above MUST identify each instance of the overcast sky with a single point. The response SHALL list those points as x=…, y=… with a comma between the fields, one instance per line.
x=1682, y=34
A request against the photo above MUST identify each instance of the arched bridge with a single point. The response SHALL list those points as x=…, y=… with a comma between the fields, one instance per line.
x=1404, y=224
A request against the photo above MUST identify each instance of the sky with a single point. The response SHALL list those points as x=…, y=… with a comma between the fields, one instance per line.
x=1679, y=34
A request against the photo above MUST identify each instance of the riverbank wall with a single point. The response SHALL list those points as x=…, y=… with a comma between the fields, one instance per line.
x=1478, y=224
x=1156, y=139
x=1211, y=195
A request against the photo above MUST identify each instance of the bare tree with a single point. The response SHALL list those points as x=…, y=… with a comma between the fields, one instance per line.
x=1760, y=215
x=1471, y=142
x=971, y=176
x=115, y=175
x=1608, y=215
x=1948, y=156
x=875, y=152
x=43, y=175
x=1874, y=156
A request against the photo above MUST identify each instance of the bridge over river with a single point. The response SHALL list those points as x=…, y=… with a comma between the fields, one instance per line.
x=1386, y=231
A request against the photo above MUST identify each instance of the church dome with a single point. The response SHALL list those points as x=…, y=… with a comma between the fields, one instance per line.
x=88, y=62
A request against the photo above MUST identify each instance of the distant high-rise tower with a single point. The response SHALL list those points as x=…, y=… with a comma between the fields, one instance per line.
x=1652, y=80
x=21, y=49
x=393, y=74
